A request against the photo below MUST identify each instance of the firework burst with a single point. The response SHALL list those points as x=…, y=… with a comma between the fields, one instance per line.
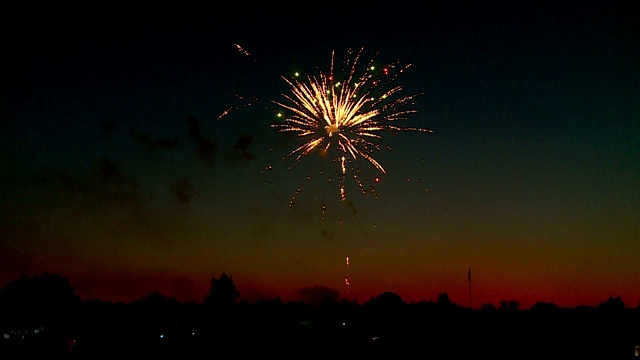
x=343, y=114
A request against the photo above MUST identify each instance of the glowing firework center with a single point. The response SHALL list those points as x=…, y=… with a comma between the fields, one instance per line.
x=332, y=129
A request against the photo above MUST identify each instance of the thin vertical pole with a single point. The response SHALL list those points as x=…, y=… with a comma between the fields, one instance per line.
x=469, y=279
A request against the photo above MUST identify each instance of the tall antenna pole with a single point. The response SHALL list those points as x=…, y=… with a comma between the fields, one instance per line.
x=469, y=279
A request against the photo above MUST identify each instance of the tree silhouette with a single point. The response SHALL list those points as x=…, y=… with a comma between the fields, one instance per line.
x=444, y=300
x=544, y=306
x=38, y=300
x=319, y=295
x=511, y=305
x=222, y=292
x=612, y=303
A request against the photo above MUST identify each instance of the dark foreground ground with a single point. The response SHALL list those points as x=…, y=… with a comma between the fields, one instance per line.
x=295, y=331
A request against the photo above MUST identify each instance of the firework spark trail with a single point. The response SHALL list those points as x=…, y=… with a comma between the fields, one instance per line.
x=242, y=50
x=347, y=278
x=348, y=115
x=246, y=101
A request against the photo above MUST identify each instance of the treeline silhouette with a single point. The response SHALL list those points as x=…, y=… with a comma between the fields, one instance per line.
x=42, y=316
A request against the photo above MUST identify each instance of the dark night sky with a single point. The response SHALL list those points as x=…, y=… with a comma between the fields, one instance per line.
x=117, y=174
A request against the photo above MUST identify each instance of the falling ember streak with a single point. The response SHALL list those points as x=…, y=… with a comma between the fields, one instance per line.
x=245, y=102
x=347, y=278
x=346, y=115
x=293, y=198
x=242, y=50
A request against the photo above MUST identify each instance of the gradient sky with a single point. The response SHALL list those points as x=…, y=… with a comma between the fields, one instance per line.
x=117, y=175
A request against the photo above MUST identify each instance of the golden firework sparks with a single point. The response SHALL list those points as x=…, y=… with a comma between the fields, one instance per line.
x=346, y=116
